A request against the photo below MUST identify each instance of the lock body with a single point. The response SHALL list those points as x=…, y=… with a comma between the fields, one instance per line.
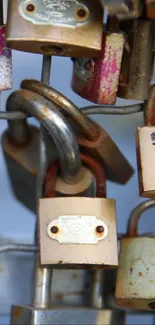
x=80, y=232
x=145, y=158
x=137, y=62
x=97, y=79
x=117, y=167
x=30, y=315
x=68, y=28
x=22, y=166
x=5, y=62
x=135, y=276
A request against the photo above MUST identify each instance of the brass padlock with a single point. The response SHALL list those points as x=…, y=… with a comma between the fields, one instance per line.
x=123, y=9
x=80, y=232
x=92, y=138
x=137, y=62
x=135, y=275
x=55, y=27
x=97, y=79
x=145, y=143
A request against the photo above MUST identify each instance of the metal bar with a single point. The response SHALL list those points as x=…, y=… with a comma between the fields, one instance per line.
x=18, y=248
x=89, y=110
x=96, y=290
x=88, y=127
x=43, y=276
x=112, y=110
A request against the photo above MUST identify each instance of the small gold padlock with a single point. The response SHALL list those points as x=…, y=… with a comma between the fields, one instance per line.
x=64, y=28
x=79, y=231
x=137, y=62
x=145, y=142
x=135, y=275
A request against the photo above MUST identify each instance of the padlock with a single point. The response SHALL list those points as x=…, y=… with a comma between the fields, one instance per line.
x=137, y=62
x=5, y=57
x=145, y=142
x=135, y=276
x=81, y=231
x=150, y=9
x=55, y=27
x=123, y=9
x=93, y=314
x=92, y=138
x=97, y=79
x=20, y=144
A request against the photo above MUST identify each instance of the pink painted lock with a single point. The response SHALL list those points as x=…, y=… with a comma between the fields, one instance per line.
x=5, y=62
x=97, y=79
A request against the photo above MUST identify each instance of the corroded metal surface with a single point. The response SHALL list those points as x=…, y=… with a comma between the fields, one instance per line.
x=97, y=79
x=5, y=62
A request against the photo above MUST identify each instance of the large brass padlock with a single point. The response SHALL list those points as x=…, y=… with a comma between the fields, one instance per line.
x=137, y=62
x=50, y=27
x=79, y=231
x=97, y=79
x=145, y=142
x=135, y=275
x=91, y=137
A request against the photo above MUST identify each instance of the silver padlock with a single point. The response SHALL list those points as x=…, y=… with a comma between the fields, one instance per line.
x=135, y=277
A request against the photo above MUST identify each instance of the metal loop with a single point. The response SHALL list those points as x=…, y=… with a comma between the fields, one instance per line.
x=89, y=128
x=135, y=216
x=63, y=137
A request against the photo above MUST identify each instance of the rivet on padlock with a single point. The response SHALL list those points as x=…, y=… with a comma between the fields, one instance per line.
x=80, y=232
x=97, y=79
x=123, y=9
x=135, y=275
x=92, y=138
x=5, y=57
x=64, y=28
x=137, y=62
x=145, y=139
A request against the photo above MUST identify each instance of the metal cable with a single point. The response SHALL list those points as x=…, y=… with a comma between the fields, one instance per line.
x=18, y=248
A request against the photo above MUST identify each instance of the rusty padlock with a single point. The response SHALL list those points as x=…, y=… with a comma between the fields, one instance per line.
x=5, y=56
x=80, y=232
x=137, y=62
x=135, y=275
x=97, y=79
x=145, y=142
x=123, y=9
x=91, y=137
x=150, y=9
x=55, y=27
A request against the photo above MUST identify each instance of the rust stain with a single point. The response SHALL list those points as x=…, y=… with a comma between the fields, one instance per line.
x=140, y=274
x=17, y=312
x=135, y=294
x=131, y=269
x=130, y=283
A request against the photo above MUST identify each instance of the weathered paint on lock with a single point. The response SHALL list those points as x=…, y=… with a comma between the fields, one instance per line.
x=97, y=79
x=5, y=62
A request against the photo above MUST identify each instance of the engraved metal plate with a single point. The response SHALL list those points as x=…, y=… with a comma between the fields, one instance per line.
x=54, y=12
x=77, y=230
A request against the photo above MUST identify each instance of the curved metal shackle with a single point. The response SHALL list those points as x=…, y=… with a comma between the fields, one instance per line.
x=65, y=141
x=87, y=125
x=135, y=216
x=149, y=108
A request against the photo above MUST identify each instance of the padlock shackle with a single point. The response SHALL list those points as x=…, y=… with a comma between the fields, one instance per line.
x=89, y=128
x=149, y=111
x=65, y=141
x=97, y=169
x=135, y=216
x=96, y=296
